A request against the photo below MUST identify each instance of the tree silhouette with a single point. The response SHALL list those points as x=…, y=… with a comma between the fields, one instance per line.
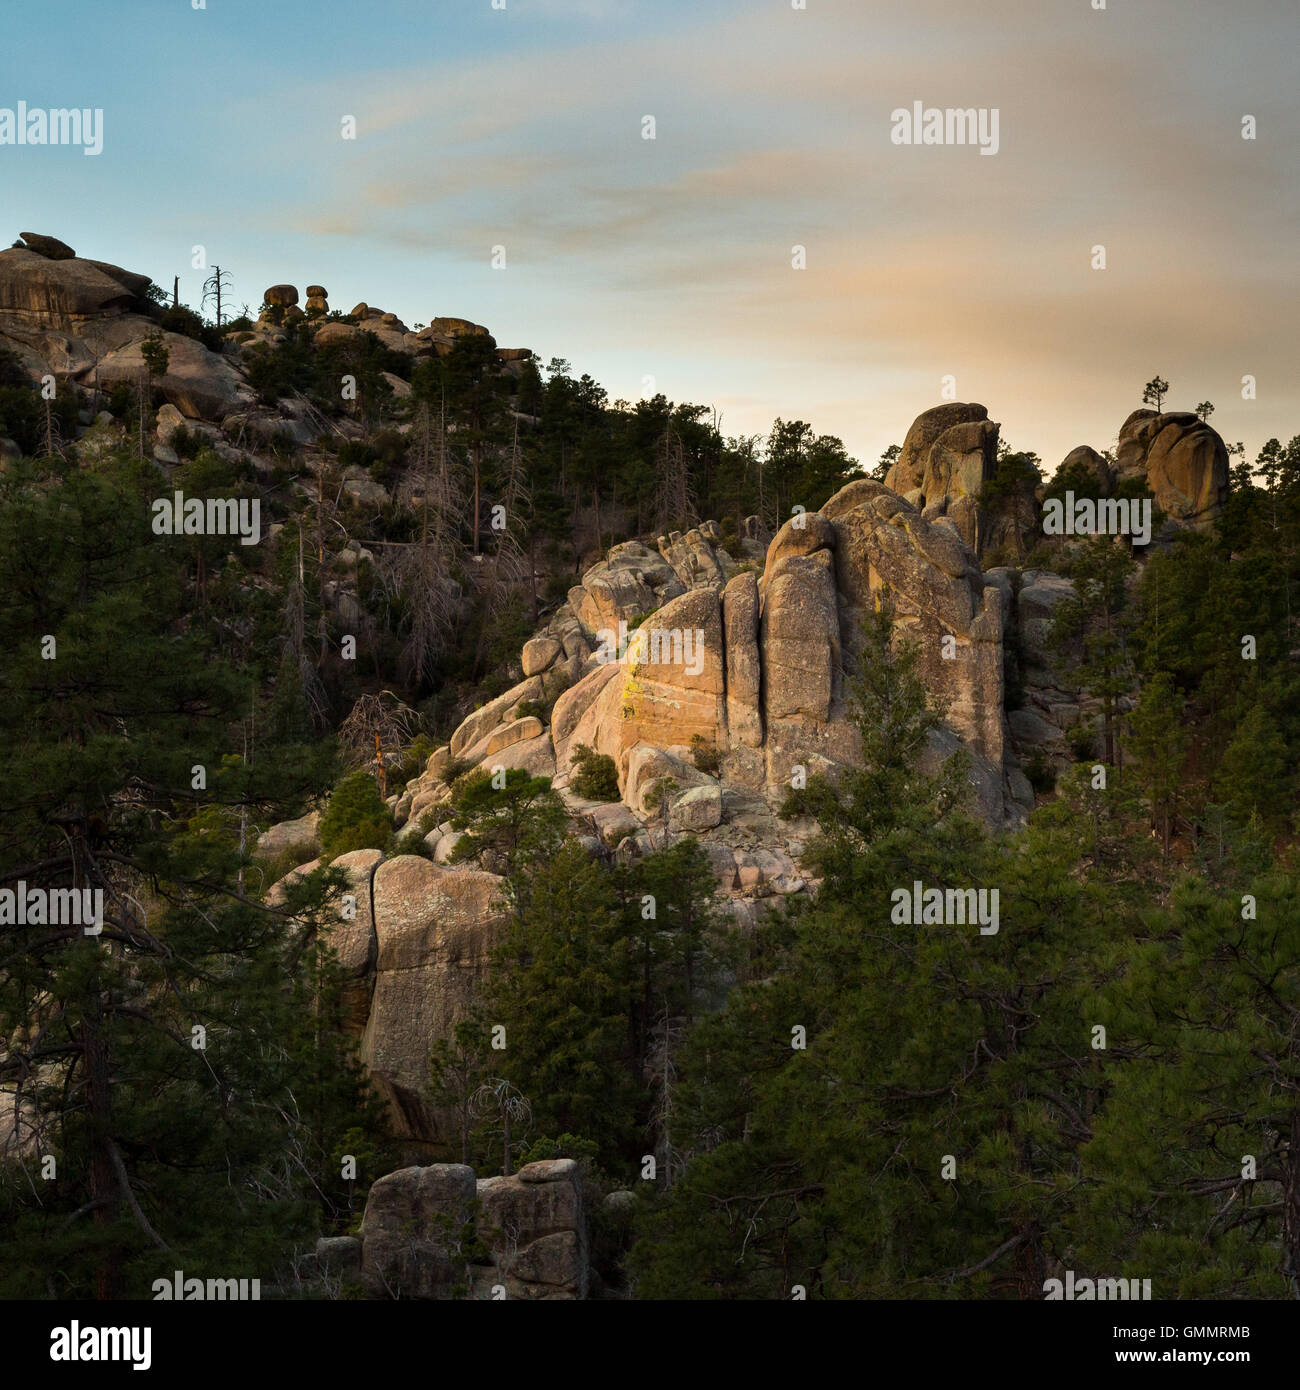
x=1154, y=392
x=214, y=288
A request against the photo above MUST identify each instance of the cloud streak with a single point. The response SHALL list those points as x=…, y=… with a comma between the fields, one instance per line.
x=1119, y=129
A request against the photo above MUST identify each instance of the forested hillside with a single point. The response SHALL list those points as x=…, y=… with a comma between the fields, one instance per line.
x=402, y=863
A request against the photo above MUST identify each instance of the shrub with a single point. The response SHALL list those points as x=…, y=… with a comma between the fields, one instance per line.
x=556, y=588
x=412, y=842
x=121, y=401
x=637, y=619
x=187, y=442
x=1016, y=474
x=455, y=770
x=531, y=709
x=356, y=818
x=705, y=755
x=288, y=859
x=595, y=777
x=356, y=453
x=1082, y=741
x=179, y=318
x=544, y=1149
x=282, y=444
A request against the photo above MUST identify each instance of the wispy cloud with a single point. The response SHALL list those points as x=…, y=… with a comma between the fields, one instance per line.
x=1119, y=128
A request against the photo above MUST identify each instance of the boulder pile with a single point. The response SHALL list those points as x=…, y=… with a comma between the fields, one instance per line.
x=425, y=1232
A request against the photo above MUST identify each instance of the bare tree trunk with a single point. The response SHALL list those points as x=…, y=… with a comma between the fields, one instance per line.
x=103, y=1181
x=243, y=815
x=532, y=574
x=476, y=483
x=1291, y=1207
x=320, y=514
x=383, y=771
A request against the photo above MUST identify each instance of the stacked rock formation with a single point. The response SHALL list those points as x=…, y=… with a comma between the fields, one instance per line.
x=413, y=1242
x=661, y=652
x=948, y=455
x=654, y=654
x=83, y=322
x=1183, y=461
x=657, y=651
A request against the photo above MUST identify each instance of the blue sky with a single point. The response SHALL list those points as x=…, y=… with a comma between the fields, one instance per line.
x=670, y=259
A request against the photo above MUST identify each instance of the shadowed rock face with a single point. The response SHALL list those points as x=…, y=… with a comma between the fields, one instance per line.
x=200, y=383
x=1183, y=460
x=755, y=668
x=939, y=593
x=744, y=665
x=410, y=1233
x=281, y=296
x=58, y=293
x=1087, y=457
x=435, y=930
x=84, y=321
x=533, y=1223
x=48, y=246
x=800, y=637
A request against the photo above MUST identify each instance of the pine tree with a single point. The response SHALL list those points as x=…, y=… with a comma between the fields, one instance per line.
x=514, y=821
x=1158, y=740
x=559, y=990
x=1254, y=775
x=822, y=1165
x=1090, y=631
x=1193, y=1175
x=179, y=1068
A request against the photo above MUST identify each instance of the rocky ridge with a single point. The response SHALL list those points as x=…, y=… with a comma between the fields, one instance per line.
x=662, y=649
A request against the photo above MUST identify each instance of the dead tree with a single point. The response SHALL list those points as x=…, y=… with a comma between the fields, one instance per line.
x=498, y=1099
x=214, y=289
x=376, y=725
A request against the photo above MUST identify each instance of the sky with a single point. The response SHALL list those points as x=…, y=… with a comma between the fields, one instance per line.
x=666, y=264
